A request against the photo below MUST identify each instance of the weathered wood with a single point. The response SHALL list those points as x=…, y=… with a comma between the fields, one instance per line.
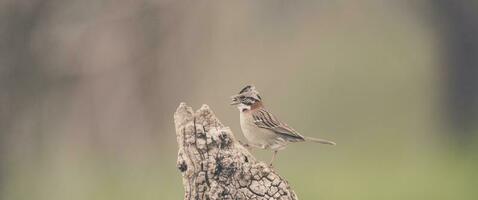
x=214, y=165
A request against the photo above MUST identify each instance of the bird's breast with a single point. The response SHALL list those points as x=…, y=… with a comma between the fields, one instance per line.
x=247, y=126
x=260, y=137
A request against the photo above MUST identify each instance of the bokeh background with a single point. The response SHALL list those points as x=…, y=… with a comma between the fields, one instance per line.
x=88, y=89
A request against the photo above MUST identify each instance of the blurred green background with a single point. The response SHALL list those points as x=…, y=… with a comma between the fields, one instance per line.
x=88, y=89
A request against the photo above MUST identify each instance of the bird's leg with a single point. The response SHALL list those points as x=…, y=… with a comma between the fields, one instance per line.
x=273, y=157
x=244, y=144
x=247, y=146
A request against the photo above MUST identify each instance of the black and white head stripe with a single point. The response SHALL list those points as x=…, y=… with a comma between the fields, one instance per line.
x=248, y=95
x=248, y=100
x=248, y=88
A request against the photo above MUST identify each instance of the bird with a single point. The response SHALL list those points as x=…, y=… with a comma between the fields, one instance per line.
x=261, y=128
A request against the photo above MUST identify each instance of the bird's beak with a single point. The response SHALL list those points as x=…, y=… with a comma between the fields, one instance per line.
x=235, y=100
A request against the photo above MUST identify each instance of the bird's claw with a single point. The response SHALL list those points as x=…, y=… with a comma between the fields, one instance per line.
x=245, y=144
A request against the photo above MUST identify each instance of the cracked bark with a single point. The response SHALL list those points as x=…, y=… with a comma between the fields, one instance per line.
x=214, y=165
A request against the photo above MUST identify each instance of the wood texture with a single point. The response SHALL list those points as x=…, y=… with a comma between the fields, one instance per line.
x=214, y=165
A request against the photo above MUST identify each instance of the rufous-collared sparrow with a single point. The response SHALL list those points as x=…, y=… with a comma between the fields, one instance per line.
x=261, y=128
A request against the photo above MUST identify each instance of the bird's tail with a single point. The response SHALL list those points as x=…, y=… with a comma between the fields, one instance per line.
x=321, y=141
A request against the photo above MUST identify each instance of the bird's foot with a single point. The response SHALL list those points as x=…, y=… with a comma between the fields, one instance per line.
x=271, y=166
x=245, y=144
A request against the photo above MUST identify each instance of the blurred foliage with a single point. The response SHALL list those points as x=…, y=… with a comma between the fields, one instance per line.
x=88, y=89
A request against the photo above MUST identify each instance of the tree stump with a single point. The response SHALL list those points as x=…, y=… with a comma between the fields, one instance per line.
x=214, y=165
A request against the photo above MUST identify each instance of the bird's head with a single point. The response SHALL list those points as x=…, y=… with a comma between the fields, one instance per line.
x=247, y=98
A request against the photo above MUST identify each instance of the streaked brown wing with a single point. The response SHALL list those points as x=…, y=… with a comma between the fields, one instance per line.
x=265, y=119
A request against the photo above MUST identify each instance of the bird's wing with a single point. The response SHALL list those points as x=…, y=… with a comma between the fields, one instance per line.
x=265, y=119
